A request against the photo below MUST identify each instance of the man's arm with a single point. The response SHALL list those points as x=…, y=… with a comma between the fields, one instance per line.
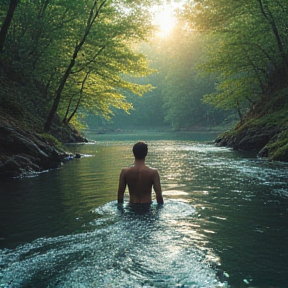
x=157, y=188
x=121, y=187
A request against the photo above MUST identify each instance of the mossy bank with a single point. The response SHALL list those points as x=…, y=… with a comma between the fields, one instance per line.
x=264, y=129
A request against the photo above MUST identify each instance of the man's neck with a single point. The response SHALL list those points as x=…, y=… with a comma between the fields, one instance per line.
x=139, y=162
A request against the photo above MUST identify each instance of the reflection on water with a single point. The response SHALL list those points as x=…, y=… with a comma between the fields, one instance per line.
x=128, y=248
x=224, y=222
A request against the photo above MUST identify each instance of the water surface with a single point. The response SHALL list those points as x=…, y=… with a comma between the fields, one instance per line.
x=223, y=224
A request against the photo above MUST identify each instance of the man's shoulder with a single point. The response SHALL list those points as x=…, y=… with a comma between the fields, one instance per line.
x=152, y=170
x=132, y=169
x=125, y=169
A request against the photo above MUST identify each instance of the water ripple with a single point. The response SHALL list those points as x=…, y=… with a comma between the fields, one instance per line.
x=138, y=250
x=222, y=209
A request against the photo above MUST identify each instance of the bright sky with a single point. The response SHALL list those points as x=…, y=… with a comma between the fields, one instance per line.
x=165, y=19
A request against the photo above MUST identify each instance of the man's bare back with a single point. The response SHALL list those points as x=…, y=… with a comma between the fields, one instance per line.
x=140, y=180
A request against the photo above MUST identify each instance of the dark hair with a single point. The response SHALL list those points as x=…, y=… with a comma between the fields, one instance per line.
x=140, y=150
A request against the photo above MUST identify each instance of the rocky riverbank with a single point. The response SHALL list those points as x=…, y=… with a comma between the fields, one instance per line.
x=24, y=152
x=264, y=130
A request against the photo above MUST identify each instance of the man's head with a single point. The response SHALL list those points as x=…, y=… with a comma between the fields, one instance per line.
x=140, y=150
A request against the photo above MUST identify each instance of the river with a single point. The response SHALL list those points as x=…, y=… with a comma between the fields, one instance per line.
x=224, y=222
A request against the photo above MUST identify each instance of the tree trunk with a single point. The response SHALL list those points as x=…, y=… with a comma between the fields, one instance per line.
x=268, y=15
x=64, y=121
x=239, y=111
x=91, y=19
x=58, y=94
x=7, y=22
x=79, y=100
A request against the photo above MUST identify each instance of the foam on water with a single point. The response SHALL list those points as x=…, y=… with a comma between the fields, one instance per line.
x=127, y=248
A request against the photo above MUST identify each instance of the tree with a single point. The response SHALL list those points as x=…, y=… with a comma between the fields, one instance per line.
x=93, y=15
x=249, y=47
x=116, y=27
x=78, y=53
x=271, y=15
x=183, y=86
x=6, y=24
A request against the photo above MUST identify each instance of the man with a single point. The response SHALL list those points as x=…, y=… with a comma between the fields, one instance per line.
x=140, y=179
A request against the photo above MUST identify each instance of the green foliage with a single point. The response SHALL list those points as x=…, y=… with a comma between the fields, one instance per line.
x=242, y=46
x=248, y=48
x=176, y=100
x=83, y=60
x=49, y=139
x=46, y=36
x=183, y=86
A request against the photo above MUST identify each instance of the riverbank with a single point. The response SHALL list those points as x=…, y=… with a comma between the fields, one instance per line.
x=24, y=147
x=24, y=152
x=264, y=129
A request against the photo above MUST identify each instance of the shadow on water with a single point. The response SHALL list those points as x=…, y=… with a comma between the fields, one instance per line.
x=129, y=247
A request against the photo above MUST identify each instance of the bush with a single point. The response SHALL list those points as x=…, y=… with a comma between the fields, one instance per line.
x=49, y=139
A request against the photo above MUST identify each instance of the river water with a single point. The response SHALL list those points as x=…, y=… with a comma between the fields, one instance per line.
x=224, y=222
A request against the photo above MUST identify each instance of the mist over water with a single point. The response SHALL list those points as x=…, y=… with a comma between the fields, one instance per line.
x=223, y=224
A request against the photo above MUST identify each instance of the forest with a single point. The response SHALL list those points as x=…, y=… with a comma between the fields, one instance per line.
x=101, y=65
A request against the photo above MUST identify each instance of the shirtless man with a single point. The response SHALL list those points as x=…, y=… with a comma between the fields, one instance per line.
x=140, y=179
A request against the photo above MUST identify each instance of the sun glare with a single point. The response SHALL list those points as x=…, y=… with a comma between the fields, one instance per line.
x=165, y=20
x=165, y=16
